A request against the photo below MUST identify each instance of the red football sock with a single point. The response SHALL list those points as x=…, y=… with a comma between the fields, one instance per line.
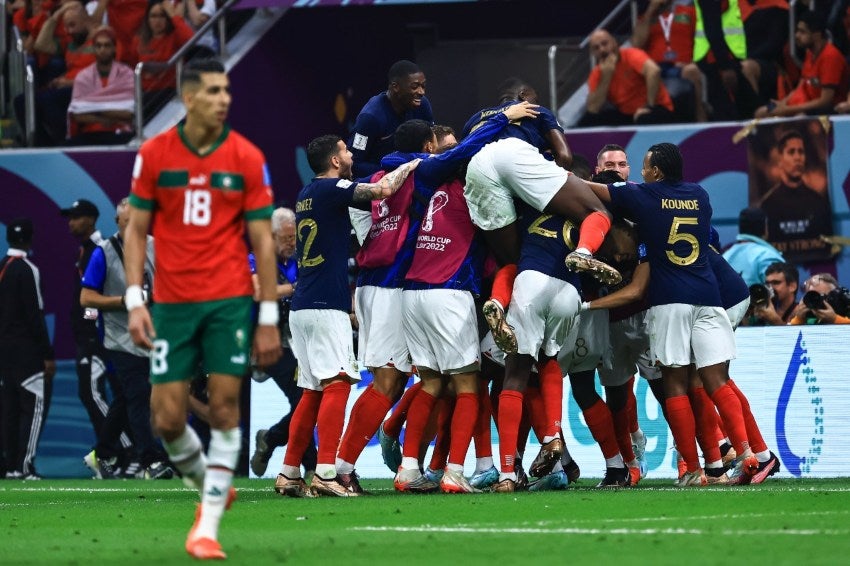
x=720, y=430
x=552, y=391
x=301, y=426
x=524, y=429
x=417, y=419
x=631, y=406
x=503, y=284
x=366, y=416
x=510, y=415
x=592, y=231
x=534, y=407
x=757, y=442
x=621, y=430
x=443, y=410
x=331, y=420
x=392, y=426
x=705, y=418
x=463, y=421
x=481, y=434
x=601, y=425
x=731, y=412
x=681, y=419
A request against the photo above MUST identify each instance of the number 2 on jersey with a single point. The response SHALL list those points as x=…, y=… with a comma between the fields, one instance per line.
x=312, y=229
x=197, y=207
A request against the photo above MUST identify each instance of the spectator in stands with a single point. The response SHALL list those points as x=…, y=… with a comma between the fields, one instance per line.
x=27, y=363
x=197, y=12
x=720, y=52
x=666, y=32
x=102, y=103
x=824, y=302
x=625, y=86
x=75, y=46
x=783, y=279
x=824, y=77
x=843, y=107
x=766, y=29
x=125, y=17
x=162, y=34
x=373, y=134
x=29, y=20
x=751, y=255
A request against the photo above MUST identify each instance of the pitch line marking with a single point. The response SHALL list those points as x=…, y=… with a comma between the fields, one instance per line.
x=580, y=531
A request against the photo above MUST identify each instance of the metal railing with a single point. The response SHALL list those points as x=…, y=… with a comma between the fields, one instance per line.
x=176, y=61
x=553, y=49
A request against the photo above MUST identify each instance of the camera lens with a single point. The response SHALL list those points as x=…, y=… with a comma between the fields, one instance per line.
x=813, y=300
x=759, y=294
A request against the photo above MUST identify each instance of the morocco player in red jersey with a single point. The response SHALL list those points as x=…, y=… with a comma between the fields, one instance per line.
x=200, y=184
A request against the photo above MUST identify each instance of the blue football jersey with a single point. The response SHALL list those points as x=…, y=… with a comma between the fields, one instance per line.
x=323, y=232
x=534, y=131
x=673, y=220
x=546, y=241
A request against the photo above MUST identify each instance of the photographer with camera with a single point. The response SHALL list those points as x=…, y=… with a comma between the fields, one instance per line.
x=751, y=254
x=284, y=371
x=824, y=302
x=774, y=304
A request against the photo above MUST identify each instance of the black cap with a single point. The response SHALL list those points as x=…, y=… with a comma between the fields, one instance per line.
x=19, y=232
x=81, y=207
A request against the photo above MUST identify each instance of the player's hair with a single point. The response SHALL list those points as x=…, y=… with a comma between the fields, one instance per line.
x=668, y=158
x=786, y=137
x=751, y=221
x=813, y=20
x=412, y=135
x=193, y=70
x=320, y=150
x=401, y=70
x=441, y=131
x=609, y=147
x=510, y=89
x=789, y=270
x=607, y=177
x=281, y=216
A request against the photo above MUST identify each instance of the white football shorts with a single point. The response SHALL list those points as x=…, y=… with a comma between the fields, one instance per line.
x=681, y=334
x=322, y=343
x=441, y=329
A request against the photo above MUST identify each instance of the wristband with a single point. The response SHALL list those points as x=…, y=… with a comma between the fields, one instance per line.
x=134, y=297
x=585, y=305
x=269, y=315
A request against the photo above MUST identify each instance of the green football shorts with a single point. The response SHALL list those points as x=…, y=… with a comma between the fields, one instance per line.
x=214, y=334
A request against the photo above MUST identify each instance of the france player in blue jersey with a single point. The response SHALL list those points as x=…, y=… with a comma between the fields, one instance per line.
x=321, y=329
x=374, y=129
x=378, y=298
x=687, y=323
x=515, y=166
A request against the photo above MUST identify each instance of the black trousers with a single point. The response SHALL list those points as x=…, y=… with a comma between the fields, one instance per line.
x=108, y=419
x=134, y=378
x=25, y=400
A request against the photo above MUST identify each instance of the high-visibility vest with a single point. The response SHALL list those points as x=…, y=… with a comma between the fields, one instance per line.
x=733, y=32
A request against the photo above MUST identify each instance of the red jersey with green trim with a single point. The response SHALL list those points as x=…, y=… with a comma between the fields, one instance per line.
x=200, y=204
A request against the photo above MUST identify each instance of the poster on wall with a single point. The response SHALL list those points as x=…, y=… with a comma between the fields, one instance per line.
x=789, y=181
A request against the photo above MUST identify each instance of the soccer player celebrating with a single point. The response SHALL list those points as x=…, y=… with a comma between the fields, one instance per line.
x=200, y=184
x=321, y=328
x=687, y=322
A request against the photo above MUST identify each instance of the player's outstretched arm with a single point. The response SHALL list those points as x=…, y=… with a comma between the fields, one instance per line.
x=135, y=249
x=635, y=290
x=386, y=186
x=266, y=344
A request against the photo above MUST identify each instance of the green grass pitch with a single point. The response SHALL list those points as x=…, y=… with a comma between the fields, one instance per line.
x=138, y=522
